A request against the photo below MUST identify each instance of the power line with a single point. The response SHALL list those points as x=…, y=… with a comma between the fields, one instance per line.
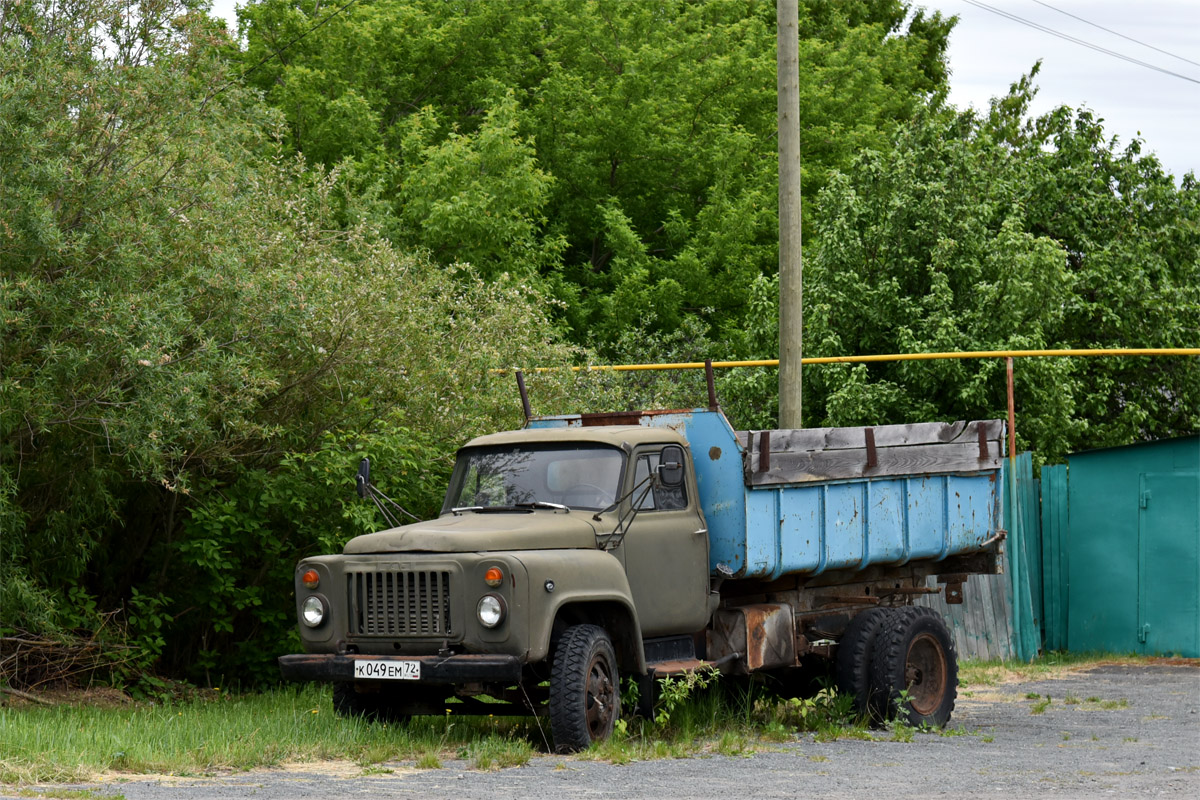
x=1117, y=33
x=1081, y=42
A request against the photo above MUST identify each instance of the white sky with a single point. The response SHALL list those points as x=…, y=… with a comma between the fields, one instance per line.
x=989, y=52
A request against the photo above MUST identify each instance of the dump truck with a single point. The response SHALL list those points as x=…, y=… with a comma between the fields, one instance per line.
x=584, y=549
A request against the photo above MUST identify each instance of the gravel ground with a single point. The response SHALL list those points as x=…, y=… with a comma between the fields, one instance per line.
x=1134, y=730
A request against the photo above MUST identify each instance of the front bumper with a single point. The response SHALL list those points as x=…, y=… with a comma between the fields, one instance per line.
x=485, y=668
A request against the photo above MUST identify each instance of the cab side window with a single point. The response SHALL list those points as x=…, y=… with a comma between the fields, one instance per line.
x=655, y=499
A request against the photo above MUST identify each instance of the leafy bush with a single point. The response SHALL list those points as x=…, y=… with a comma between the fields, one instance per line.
x=196, y=352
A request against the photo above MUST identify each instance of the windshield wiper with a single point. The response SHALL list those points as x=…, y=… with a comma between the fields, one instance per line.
x=543, y=504
x=513, y=507
x=524, y=508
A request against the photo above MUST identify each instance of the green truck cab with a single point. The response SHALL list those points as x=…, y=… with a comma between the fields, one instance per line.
x=586, y=548
x=556, y=555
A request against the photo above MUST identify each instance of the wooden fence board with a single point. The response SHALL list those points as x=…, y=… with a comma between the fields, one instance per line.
x=981, y=625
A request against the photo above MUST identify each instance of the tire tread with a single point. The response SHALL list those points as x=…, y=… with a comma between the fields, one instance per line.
x=853, y=671
x=568, y=681
x=889, y=662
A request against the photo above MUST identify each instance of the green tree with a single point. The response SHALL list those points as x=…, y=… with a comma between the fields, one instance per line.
x=624, y=151
x=1005, y=232
x=196, y=350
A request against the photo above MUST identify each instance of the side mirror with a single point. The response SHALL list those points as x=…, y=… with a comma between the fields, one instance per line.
x=670, y=466
x=364, y=477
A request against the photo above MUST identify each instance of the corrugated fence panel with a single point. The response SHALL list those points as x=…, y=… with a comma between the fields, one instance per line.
x=1054, y=557
x=1022, y=519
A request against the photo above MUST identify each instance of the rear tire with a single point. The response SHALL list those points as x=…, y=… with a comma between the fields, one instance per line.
x=854, y=654
x=915, y=668
x=585, y=695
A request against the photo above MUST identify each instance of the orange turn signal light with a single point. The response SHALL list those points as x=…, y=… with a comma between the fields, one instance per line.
x=494, y=576
x=311, y=579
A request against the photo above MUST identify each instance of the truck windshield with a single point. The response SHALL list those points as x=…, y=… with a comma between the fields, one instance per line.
x=578, y=476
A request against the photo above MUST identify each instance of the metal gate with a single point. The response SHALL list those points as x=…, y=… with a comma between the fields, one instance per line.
x=1130, y=551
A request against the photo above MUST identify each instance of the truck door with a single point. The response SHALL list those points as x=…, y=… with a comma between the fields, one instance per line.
x=666, y=552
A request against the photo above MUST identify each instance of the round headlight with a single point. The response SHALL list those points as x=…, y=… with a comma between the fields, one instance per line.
x=312, y=610
x=490, y=610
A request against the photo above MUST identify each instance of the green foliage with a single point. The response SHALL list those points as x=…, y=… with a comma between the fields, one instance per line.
x=196, y=351
x=476, y=197
x=232, y=569
x=675, y=692
x=623, y=151
x=827, y=714
x=1007, y=233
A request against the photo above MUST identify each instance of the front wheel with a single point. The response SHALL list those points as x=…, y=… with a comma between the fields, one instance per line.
x=585, y=696
x=915, y=668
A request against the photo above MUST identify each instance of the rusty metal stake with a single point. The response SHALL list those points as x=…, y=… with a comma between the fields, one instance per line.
x=1012, y=418
x=524, y=396
x=712, y=388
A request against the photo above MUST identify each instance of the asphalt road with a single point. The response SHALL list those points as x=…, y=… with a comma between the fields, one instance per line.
x=1114, y=731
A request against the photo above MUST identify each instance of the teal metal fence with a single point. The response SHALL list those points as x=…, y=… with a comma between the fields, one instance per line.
x=1055, y=550
x=1023, y=522
x=1120, y=550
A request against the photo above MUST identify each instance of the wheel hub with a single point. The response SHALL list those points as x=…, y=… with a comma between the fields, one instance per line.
x=925, y=674
x=600, y=703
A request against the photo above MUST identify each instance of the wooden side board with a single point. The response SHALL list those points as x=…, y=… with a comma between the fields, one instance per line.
x=824, y=454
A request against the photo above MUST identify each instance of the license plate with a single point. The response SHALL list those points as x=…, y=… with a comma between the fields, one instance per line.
x=388, y=670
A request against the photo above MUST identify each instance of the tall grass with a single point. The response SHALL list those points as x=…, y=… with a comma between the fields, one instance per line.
x=71, y=743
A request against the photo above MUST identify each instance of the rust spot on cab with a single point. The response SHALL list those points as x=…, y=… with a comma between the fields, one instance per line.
x=714, y=453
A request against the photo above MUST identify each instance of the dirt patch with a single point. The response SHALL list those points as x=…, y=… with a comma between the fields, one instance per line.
x=290, y=770
x=333, y=769
x=1175, y=662
x=986, y=696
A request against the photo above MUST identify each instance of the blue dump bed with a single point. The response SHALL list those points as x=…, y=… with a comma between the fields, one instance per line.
x=813, y=500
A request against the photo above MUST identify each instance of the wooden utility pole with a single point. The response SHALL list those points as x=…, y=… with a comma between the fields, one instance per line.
x=791, y=309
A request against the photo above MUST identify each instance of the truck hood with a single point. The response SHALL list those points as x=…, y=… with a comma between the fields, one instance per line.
x=473, y=532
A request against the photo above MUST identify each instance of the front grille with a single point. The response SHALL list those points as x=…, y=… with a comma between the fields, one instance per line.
x=399, y=603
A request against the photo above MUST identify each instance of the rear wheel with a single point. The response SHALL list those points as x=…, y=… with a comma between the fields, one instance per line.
x=853, y=670
x=915, y=668
x=585, y=696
